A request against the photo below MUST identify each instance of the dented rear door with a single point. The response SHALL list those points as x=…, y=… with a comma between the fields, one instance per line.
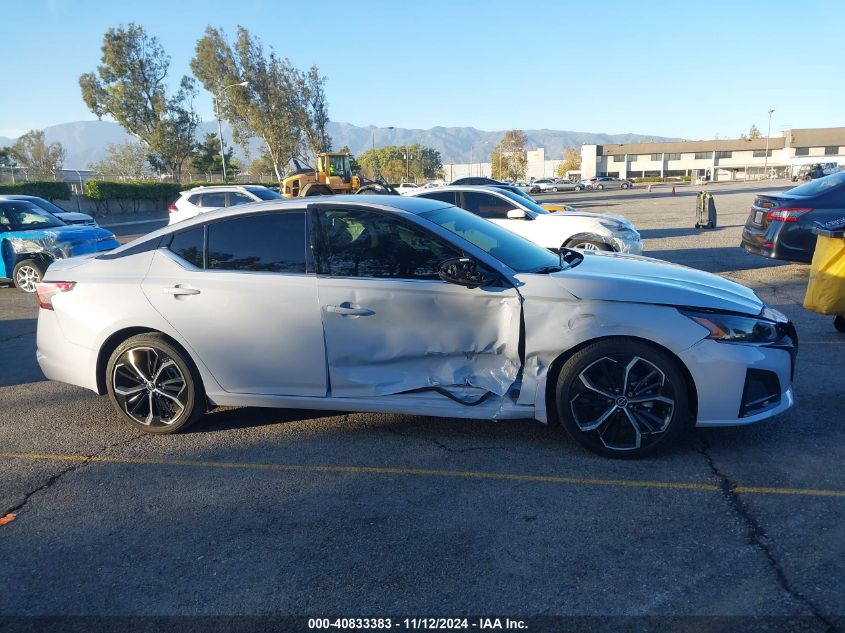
x=391, y=325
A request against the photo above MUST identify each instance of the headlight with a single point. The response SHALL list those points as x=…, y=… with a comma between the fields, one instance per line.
x=736, y=329
x=613, y=225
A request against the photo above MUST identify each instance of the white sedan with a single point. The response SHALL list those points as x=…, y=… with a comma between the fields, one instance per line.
x=403, y=305
x=523, y=216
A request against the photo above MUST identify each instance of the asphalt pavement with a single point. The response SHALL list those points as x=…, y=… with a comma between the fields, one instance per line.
x=309, y=514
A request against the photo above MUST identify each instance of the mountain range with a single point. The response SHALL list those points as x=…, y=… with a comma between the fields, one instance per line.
x=86, y=141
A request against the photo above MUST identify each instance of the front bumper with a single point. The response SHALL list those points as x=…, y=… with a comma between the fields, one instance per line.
x=728, y=383
x=630, y=245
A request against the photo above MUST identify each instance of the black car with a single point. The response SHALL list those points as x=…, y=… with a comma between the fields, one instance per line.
x=780, y=225
x=477, y=180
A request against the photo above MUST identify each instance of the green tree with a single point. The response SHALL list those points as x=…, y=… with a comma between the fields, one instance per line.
x=571, y=162
x=207, y=158
x=127, y=161
x=130, y=87
x=39, y=159
x=508, y=159
x=396, y=162
x=262, y=167
x=753, y=133
x=283, y=107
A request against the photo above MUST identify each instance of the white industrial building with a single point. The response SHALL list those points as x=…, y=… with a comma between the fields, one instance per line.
x=718, y=159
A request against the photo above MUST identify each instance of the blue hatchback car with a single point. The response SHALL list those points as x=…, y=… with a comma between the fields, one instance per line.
x=31, y=239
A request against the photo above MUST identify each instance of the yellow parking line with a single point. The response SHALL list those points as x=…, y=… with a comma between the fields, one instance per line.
x=421, y=472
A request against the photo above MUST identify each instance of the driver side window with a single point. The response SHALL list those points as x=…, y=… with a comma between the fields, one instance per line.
x=358, y=243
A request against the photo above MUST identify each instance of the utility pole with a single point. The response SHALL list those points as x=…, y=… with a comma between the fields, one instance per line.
x=768, y=134
x=220, y=122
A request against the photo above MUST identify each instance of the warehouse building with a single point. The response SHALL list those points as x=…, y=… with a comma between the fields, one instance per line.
x=719, y=159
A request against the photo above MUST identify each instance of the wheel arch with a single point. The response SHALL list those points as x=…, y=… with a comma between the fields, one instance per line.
x=113, y=341
x=556, y=366
x=589, y=237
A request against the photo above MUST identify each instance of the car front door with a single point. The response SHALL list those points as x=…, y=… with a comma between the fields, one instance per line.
x=239, y=292
x=391, y=324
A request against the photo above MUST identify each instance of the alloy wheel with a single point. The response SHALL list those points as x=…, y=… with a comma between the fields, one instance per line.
x=623, y=400
x=27, y=277
x=149, y=386
x=587, y=246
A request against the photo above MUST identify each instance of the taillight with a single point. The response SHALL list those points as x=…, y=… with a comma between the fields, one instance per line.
x=171, y=208
x=47, y=289
x=786, y=214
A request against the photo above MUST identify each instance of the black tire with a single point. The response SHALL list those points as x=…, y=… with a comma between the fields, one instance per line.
x=599, y=186
x=555, y=189
x=177, y=399
x=27, y=273
x=622, y=428
x=625, y=185
x=578, y=188
x=839, y=323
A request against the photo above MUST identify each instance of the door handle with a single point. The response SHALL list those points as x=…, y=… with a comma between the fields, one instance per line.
x=180, y=291
x=349, y=311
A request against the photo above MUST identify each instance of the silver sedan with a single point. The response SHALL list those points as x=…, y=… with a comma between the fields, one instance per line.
x=404, y=305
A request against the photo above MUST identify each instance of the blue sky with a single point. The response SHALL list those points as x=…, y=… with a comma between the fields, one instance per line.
x=686, y=69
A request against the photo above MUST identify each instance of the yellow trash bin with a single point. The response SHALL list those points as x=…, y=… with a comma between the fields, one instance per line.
x=826, y=289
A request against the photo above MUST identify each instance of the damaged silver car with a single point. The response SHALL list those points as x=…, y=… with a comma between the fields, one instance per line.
x=405, y=305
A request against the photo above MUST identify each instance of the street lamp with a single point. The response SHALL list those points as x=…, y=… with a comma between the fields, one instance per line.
x=220, y=123
x=768, y=134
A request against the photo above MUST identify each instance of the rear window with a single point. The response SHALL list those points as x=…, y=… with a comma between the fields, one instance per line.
x=264, y=193
x=820, y=185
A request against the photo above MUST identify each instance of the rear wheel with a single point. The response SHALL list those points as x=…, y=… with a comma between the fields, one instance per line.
x=154, y=386
x=555, y=189
x=622, y=398
x=599, y=186
x=27, y=274
x=624, y=185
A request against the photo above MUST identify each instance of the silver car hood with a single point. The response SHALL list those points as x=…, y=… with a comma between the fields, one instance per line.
x=617, y=277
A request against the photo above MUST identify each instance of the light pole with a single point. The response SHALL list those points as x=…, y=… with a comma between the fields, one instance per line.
x=768, y=134
x=220, y=122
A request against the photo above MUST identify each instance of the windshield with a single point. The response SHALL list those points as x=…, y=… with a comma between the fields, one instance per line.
x=263, y=193
x=820, y=185
x=46, y=205
x=25, y=216
x=526, y=202
x=510, y=249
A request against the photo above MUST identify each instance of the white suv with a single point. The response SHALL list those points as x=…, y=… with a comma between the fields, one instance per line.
x=203, y=199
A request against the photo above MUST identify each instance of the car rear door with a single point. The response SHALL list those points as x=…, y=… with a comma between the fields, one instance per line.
x=391, y=324
x=240, y=293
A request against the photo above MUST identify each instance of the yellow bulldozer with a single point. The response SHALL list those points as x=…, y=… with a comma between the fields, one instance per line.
x=333, y=175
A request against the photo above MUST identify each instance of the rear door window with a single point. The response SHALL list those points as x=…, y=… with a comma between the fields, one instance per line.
x=270, y=242
x=236, y=198
x=214, y=200
x=443, y=196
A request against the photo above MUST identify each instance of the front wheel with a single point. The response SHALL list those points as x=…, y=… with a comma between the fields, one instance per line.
x=622, y=397
x=28, y=273
x=578, y=188
x=600, y=187
x=153, y=385
x=589, y=245
x=624, y=185
x=555, y=189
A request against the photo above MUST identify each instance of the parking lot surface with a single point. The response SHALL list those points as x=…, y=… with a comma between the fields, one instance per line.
x=266, y=512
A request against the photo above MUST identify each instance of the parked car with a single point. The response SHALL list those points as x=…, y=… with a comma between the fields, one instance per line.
x=31, y=238
x=780, y=225
x=609, y=182
x=406, y=187
x=477, y=180
x=520, y=214
x=544, y=184
x=403, y=305
x=527, y=187
x=562, y=184
x=68, y=217
x=204, y=199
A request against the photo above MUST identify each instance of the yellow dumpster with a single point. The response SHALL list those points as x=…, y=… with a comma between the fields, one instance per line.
x=826, y=289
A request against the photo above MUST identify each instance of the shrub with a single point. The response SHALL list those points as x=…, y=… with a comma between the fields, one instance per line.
x=106, y=190
x=47, y=189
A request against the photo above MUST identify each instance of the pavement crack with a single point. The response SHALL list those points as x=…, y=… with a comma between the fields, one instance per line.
x=758, y=538
x=17, y=336
x=58, y=476
x=451, y=449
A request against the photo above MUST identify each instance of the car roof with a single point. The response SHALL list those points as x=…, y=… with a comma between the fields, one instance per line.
x=218, y=188
x=17, y=196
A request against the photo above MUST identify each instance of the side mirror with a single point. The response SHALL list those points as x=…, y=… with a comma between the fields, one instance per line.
x=465, y=271
x=516, y=214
